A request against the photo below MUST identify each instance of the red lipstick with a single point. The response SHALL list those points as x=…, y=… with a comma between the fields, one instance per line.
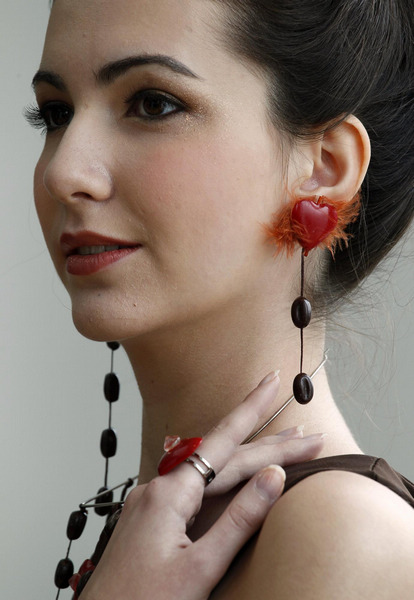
x=88, y=252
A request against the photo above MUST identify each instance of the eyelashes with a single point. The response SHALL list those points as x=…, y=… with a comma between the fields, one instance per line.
x=34, y=117
x=50, y=117
x=146, y=105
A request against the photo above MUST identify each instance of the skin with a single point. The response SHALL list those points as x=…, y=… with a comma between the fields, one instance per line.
x=209, y=286
x=202, y=308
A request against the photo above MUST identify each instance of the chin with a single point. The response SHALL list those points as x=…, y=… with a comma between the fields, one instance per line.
x=106, y=315
x=100, y=325
x=95, y=330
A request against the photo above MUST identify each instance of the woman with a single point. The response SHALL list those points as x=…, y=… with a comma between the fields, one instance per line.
x=175, y=131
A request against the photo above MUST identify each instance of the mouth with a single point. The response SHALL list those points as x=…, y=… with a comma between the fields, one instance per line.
x=88, y=252
x=86, y=243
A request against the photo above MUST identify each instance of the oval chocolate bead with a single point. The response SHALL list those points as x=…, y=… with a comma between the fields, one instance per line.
x=64, y=572
x=113, y=345
x=303, y=388
x=82, y=582
x=103, y=510
x=111, y=387
x=108, y=443
x=76, y=524
x=301, y=312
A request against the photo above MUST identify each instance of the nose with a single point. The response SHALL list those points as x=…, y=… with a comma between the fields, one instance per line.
x=78, y=168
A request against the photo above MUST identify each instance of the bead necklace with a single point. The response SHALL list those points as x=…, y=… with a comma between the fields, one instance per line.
x=103, y=503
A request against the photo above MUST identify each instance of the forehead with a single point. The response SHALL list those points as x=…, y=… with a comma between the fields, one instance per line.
x=92, y=31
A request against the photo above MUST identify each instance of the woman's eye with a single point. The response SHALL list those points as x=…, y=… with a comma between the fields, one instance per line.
x=148, y=105
x=49, y=117
x=56, y=115
x=153, y=105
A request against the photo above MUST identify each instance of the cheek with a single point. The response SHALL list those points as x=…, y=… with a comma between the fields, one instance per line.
x=208, y=191
x=205, y=205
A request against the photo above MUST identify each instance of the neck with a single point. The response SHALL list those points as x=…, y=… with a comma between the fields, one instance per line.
x=190, y=378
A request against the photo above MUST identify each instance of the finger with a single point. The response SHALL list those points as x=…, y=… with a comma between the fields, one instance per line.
x=219, y=445
x=291, y=432
x=278, y=438
x=160, y=510
x=133, y=498
x=244, y=465
x=290, y=451
x=242, y=518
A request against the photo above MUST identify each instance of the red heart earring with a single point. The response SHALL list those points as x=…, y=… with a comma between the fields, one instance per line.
x=310, y=223
x=313, y=221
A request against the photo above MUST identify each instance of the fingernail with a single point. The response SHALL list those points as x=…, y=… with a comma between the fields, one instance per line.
x=315, y=436
x=293, y=431
x=272, y=375
x=269, y=483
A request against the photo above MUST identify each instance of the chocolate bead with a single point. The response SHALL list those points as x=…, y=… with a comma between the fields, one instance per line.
x=303, y=388
x=104, y=510
x=113, y=345
x=301, y=312
x=111, y=387
x=108, y=443
x=82, y=583
x=64, y=572
x=76, y=524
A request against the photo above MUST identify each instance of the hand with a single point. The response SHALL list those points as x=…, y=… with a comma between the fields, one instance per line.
x=150, y=554
x=286, y=448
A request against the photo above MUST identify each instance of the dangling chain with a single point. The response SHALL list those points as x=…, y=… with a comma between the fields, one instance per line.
x=103, y=501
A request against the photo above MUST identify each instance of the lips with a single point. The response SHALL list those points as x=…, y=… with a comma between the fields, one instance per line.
x=88, y=252
x=74, y=243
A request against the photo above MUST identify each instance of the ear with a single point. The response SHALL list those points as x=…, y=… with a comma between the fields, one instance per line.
x=336, y=164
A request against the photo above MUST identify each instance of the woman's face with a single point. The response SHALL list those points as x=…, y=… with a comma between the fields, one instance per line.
x=158, y=143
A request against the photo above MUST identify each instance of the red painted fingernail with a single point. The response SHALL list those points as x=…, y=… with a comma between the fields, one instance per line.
x=177, y=454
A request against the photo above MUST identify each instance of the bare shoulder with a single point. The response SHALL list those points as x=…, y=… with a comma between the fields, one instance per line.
x=336, y=535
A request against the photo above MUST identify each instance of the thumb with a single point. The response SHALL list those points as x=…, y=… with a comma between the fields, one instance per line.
x=241, y=519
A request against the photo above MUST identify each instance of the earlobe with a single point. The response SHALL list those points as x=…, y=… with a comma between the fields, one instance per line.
x=340, y=161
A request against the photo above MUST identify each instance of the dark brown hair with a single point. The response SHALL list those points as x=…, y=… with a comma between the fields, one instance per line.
x=326, y=59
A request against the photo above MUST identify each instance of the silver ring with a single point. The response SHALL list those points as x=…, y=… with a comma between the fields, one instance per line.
x=203, y=467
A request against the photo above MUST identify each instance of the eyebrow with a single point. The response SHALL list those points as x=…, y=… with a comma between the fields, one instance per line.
x=109, y=72
x=112, y=70
x=48, y=77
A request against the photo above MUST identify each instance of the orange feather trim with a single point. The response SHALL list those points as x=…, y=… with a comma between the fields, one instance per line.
x=284, y=232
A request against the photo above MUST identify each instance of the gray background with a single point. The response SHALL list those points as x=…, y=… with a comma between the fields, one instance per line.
x=52, y=407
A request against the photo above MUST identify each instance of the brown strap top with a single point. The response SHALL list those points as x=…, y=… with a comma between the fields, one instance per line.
x=374, y=468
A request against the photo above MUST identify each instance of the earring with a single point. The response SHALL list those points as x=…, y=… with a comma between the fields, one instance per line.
x=311, y=223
